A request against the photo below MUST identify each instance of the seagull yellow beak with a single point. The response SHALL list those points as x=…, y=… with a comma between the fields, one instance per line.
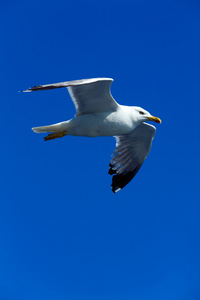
x=155, y=119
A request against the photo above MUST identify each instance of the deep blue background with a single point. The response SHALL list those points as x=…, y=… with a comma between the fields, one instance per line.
x=63, y=233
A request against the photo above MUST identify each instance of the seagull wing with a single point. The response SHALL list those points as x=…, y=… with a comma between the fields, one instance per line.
x=89, y=95
x=130, y=152
x=92, y=96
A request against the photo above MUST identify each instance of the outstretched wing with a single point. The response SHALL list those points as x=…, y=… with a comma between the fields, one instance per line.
x=129, y=155
x=89, y=95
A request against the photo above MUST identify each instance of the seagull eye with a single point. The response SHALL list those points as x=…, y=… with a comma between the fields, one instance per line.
x=141, y=112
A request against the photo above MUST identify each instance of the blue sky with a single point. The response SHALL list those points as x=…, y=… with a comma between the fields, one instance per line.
x=63, y=233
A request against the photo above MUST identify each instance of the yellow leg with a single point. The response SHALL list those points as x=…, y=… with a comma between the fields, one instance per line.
x=56, y=135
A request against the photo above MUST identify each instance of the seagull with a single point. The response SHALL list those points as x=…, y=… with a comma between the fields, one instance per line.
x=98, y=114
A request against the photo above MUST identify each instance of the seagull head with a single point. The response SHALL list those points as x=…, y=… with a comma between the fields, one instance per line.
x=143, y=115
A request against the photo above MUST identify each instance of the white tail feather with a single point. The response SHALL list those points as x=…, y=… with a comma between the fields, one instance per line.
x=49, y=128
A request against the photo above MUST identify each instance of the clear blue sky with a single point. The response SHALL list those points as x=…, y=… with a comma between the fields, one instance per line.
x=63, y=233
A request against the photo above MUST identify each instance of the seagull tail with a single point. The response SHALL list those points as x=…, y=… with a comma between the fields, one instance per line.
x=55, y=128
x=49, y=128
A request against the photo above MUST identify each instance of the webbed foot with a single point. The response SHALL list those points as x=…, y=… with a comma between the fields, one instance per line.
x=56, y=135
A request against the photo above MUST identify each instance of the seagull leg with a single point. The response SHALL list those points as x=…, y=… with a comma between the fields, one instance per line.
x=55, y=135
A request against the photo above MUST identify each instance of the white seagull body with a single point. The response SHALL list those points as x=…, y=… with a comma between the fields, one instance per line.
x=98, y=114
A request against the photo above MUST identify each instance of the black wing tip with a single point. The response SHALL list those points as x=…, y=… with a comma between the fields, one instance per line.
x=119, y=181
x=40, y=88
x=115, y=189
x=25, y=91
x=34, y=88
x=37, y=88
x=111, y=170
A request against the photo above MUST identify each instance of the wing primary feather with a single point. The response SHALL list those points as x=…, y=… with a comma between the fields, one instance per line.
x=46, y=87
x=119, y=181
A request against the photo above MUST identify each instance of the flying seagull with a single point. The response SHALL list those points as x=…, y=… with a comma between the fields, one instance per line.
x=98, y=114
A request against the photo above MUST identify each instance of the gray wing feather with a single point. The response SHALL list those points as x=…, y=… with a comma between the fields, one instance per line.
x=130, y=152
x=89, y=95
